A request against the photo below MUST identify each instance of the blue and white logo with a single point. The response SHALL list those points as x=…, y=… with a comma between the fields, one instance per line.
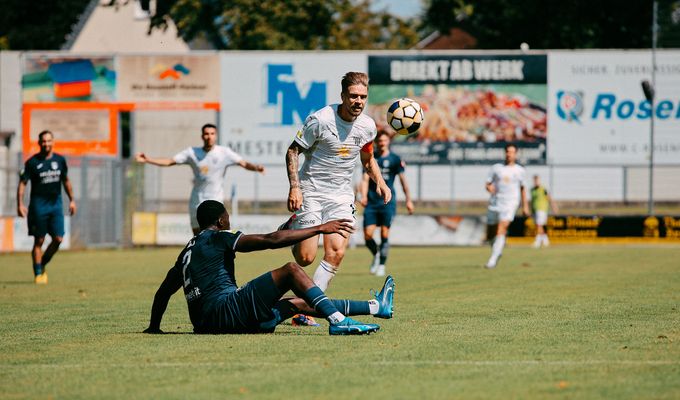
x=569, y=105
x=283, y=91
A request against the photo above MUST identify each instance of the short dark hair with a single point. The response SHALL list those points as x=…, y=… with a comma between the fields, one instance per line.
x=209, y=212
x=353, y=78
x=509, y=145
x=382, y=132
x=43, y=133
x=208, y=126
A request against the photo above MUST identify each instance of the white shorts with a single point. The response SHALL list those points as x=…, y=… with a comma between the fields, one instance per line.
x=496, y=214
x=320, y=208
x=193, y=206
x=194, y=201
x=541, y=218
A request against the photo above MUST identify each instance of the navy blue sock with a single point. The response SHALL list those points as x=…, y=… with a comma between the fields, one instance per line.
x=317, y=300
x=352, y=307
x=384, y=250
x=372, y=246
x=37, y=269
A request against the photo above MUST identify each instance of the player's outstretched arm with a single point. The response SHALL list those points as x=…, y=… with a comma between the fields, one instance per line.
x=251, y=167
x=171, y=284
x=294, y=193
x=288, y=237
x=373, y=170
x=161, y=162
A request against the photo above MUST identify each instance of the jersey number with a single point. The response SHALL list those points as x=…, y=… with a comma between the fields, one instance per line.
x=185, y=263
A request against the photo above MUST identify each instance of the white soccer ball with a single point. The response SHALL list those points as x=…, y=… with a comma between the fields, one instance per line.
x=405, y=116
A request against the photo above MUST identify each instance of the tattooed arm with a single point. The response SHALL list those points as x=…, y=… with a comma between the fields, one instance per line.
x=294, y=194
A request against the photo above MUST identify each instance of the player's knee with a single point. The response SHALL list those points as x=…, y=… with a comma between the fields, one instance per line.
x=335, y=257
x=57, y=240
x=38, y=241
x=304, y=259
x=293, y=270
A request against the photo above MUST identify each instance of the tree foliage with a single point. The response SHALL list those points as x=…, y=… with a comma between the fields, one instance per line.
x=554, y=24
x=37, y=25
x=286, y=24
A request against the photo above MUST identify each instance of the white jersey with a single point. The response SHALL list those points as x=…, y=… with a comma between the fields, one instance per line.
x=332, y=146
x=209, y=169
x=507, y=179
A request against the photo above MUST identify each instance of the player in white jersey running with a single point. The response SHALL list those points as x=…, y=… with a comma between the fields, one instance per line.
x=332, y=140
x=505, y=183
x=209, y=164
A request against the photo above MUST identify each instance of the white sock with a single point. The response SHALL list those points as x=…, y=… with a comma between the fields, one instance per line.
x=323, y=275
x=545, y=238
x=336, y=318
x=373, y=306
x=497, y=249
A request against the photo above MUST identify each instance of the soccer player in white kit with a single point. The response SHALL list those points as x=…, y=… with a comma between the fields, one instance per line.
x=209, y=164
x=332, y=139
x=505, y=183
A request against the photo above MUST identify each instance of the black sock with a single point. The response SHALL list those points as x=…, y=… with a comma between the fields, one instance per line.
x=372, y=246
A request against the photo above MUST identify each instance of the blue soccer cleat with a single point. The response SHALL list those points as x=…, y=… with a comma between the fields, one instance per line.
x=348, y=326
x=385, y=299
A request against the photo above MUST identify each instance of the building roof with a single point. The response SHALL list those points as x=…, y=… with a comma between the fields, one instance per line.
x=121, y=27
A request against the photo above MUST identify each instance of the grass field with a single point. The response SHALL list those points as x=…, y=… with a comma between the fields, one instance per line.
x=570, y=322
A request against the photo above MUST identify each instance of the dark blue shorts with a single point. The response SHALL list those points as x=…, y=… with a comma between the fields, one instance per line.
x=245, y=309
x=380, y=214
x=45, y=216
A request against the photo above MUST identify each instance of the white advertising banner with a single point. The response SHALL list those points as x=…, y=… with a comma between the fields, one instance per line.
x=598, y=113
x=266, y=97
x=407, y=230
x=173, y=229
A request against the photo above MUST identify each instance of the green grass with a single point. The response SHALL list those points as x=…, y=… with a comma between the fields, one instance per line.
x=564, y=322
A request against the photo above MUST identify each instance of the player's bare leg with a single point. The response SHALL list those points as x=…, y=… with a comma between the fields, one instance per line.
x=372, y=247
x=334, y=246
x=291, y=277
x=305, y=251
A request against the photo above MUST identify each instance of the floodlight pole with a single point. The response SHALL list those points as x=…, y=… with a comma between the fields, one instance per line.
x=655, y=28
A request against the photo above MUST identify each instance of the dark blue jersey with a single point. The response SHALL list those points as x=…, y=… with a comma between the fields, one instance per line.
x=206, y=266
x=46, y=175
x=390, y=166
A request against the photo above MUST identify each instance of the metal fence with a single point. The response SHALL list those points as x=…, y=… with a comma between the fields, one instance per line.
x=108, y=191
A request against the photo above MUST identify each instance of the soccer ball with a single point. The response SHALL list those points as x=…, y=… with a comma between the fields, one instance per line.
x=405, y=116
